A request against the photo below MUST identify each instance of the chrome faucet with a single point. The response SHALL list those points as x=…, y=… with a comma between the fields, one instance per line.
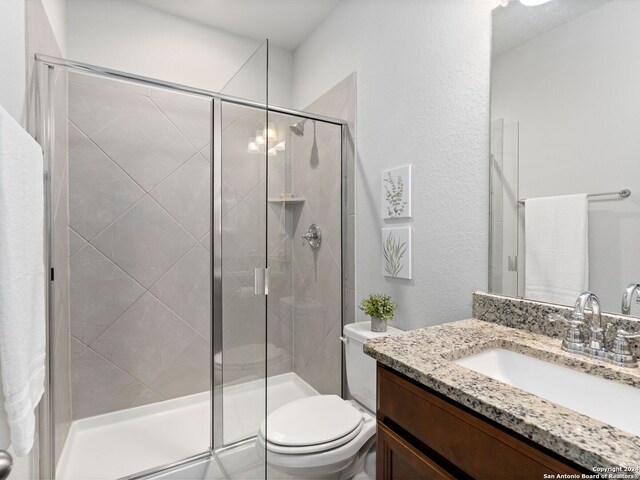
x=594, y=346
x=618, y=352
x=627, y=298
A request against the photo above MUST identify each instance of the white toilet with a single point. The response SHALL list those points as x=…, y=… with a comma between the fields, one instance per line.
x=325, y=436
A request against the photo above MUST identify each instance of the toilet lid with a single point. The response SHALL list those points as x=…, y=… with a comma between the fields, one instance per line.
x=311, y=421
x=321, y=447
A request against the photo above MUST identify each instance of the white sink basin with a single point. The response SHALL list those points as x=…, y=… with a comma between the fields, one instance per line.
x=604, y=400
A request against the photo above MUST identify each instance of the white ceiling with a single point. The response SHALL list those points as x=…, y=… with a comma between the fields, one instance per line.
x=516, y=24
x=286, y=23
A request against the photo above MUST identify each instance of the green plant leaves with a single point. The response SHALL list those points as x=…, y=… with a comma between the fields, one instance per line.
x=378, y=305
x=393, y=251
x=394, y=192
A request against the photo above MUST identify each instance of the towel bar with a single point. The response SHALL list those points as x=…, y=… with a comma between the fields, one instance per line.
x=624, y=193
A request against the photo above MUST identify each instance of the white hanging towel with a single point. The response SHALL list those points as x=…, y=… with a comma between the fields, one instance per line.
x=22, y=281
x=557, y=248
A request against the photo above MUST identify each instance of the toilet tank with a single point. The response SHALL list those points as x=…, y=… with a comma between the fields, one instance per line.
x=361, y=368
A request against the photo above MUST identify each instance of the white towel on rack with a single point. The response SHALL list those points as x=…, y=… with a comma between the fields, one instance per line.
x=557, y=248
x=22, y=280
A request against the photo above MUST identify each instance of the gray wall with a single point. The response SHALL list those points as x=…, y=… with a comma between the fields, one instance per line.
x=139, y=224
x=423, y=98
x=109, y=33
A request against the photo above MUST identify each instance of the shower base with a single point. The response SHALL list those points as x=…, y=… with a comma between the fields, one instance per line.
x=121, y=443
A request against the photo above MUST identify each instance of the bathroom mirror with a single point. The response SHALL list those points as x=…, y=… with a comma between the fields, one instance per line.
x=564, y=121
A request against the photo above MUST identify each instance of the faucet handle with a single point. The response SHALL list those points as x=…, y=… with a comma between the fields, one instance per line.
x=625, y=334
x=620, y=351
x=572, y=321
x=573, y=340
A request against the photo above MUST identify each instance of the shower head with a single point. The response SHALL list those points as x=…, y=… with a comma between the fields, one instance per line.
x=298, y=127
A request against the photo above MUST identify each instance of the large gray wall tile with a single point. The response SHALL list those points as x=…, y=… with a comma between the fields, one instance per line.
x=206, y=152
x=241, y=169
x=244, y=324
x=99, y=386
x=62, y=387
x=145, y=242
x=186, y=195
x=243, y=241
x=193, y=118
x=206, y=241
x=308, y=321
x=186, y=288
x=145, y=144
x=100, y=293
x=281, y=338
x=76, y=137
x=92, y=106
x=99, y=190
x=145, y=339
x=184, y=375
x=323, y=368
x=76, y=242
x=147, y=396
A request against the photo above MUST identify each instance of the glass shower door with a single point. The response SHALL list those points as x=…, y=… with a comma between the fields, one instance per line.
x=239, y=357
x=304, y=242
x=277, y=296
x=136, y=384
x=506, y=260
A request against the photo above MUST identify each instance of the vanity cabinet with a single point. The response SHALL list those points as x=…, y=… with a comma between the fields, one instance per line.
x=424, y=435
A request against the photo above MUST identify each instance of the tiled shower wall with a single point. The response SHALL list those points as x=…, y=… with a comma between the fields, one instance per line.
x=139, y=207
x=317, y=280
x=139, y=245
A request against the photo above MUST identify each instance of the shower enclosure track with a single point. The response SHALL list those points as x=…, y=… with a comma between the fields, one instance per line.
x=107, y=72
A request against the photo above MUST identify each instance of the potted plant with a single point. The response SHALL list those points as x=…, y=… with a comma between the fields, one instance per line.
x=380, y=308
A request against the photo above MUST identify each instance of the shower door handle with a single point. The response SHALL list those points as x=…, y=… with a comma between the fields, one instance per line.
x=6, y=464
x=261, y=281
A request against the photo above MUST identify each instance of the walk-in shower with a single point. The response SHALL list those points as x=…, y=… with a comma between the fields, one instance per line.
x=193, y=304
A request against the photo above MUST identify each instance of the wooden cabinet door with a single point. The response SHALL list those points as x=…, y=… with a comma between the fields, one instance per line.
x=464, y=440
x=399, y=460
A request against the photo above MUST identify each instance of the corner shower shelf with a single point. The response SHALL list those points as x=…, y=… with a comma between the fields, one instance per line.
x=285, y=201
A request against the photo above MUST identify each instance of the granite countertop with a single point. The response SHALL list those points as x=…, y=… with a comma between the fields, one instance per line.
x=427, y=355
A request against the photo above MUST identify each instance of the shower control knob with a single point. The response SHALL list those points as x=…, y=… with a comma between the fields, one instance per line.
x=313, y=236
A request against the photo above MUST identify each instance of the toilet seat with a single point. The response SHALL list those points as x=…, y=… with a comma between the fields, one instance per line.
x=324, y=463
x=315, y=448
x=311, y=423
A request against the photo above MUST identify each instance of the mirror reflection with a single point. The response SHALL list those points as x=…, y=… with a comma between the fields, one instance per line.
x=565, y=151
